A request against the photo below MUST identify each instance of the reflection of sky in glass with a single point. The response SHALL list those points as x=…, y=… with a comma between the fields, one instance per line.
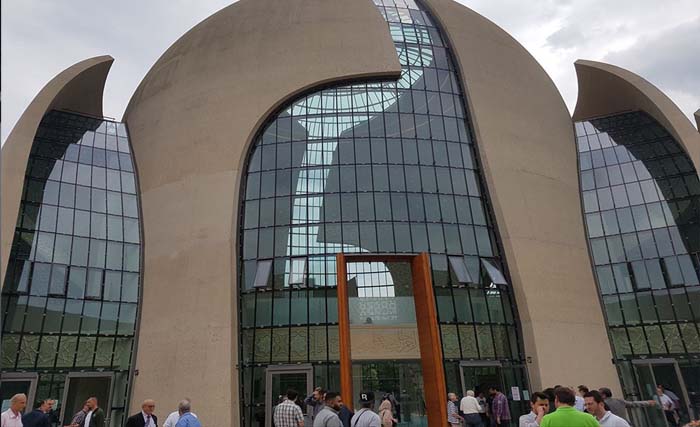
x=327, y=115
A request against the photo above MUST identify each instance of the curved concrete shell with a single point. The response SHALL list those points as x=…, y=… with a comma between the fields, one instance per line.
x=527, y=150
x=78, y=88
x=605, y=89
x=191, y=122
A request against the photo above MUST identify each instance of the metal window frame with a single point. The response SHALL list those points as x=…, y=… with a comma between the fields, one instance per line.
x=258, y=272
x=493, y=270
x=463, y=277
x=302, y=275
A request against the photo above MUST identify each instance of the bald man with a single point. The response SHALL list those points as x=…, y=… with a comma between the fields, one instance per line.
x=95, y=416
x=13, y=416
x=145, y=418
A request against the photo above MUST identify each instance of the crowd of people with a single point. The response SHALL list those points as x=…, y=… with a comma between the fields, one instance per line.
x=326, y=409
x=558, y=407
x=91, y=415
x=553, y=407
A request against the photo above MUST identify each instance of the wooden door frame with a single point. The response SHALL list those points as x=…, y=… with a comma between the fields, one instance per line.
x=434, y=386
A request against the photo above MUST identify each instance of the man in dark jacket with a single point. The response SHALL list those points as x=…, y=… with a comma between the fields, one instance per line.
x=145, y=418
x=96, y=416
x=38, y=417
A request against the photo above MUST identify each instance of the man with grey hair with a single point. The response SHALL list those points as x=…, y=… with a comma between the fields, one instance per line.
x=13, y=416
x=186, y=417
x=174, y=416
x=453, y=418
x=470, y=408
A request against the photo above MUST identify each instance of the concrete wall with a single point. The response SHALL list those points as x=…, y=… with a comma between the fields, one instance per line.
x=527, y=149
x=605, y=89
x=77, y=88
x=191, y=122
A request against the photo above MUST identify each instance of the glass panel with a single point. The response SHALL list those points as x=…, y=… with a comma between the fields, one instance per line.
x=262, y=275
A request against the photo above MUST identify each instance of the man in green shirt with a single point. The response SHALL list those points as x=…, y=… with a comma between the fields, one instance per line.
x=566, y=415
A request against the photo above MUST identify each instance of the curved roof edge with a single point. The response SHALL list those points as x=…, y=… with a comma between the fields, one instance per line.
x=526, y=145
x=605, y=89
x=198, y=111
x=78, y=88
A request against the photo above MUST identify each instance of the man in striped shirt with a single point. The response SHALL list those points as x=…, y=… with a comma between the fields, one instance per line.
x=453, y=417
x=288, y=413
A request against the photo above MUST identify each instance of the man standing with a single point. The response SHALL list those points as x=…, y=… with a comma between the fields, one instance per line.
x=453, y=418
x=499, y=407
x=619, y=406
x=539, y=407
x=145, y=418
x=580, y=404
x=174, y=416
x=287, y=413
x=366, y=417
x=666, y=405
x=79, y=416
x=470, y=408
x=95, y=416
x=315, y=401
x=345, y=415
x=595, y=405
x=566, y=415
x=187, y=418
x=328, y=415
x=12, y=417
x=38, y=417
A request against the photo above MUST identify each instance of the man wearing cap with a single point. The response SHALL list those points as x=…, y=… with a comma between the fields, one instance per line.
x=366, y=417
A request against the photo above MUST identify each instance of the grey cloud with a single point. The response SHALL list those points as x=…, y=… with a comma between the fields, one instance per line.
x=670, y=58
x=565, y=37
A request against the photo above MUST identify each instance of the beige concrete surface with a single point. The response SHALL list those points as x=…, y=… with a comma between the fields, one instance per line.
x=191, y=122
x=78, y=88
x=526, y=146
x=605, y=89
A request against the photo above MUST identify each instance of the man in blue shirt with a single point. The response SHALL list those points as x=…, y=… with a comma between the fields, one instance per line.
x=38, y=417
x=186, y=417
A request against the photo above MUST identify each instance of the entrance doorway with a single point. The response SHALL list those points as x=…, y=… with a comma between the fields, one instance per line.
x=665, y=372
x=12, y=383
x=278, y=379
x=402, y=380
x=479, y=376
x=389, y=336
x=82, y=385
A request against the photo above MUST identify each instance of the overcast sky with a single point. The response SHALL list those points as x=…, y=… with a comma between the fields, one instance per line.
x=40, y=38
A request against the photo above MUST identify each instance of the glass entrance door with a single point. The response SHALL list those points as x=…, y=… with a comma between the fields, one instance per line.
x=82, y=385
x=278, y=379
x=399, y=381
x=664, y=372
x=12, y=383
x=479, y=376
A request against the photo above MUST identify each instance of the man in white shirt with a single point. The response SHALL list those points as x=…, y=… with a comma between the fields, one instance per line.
x=595, y=405
x=13, y=416
x=470, y=408
x=539, y=407
x=174, y=417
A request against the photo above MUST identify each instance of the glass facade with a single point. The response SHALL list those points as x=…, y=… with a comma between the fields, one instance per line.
x=377, y=167
x=641, y=198
x=71, y=290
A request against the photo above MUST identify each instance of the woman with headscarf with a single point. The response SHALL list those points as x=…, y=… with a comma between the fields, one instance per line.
x=386, y=414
